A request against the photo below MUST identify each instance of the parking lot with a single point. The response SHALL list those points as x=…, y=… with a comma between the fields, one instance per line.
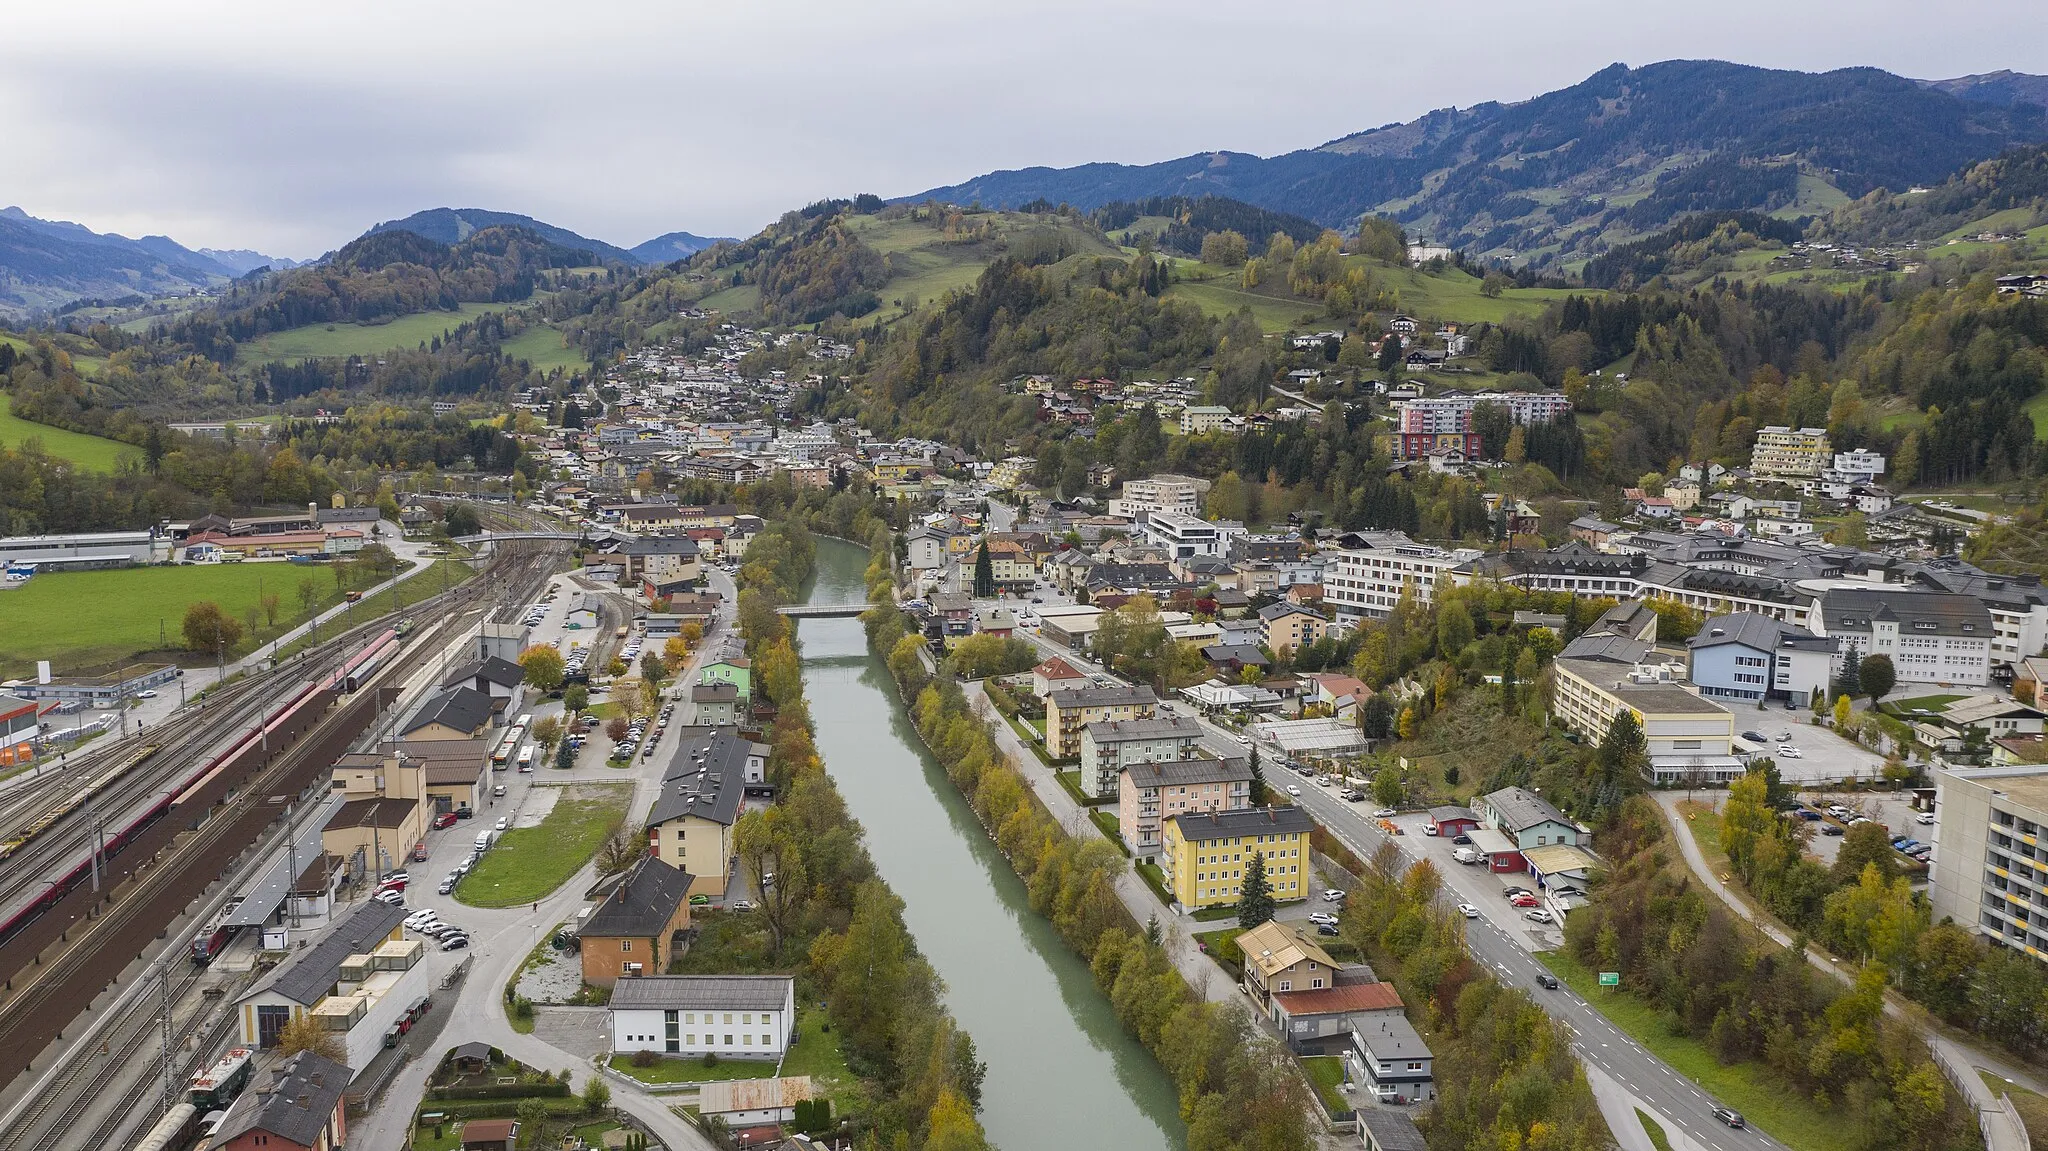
x=1821, y=755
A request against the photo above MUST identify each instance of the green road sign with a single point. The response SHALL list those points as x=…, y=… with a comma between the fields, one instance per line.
x=1610, y=979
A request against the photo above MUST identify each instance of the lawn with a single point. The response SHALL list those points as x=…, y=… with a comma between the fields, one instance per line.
x=316, y=340
x=94, y=452
x=1706, y=831
x=1156, y=880
x=1929, y=702
x=817, y=1054
x=1751, y=1088
x=542, y=346
x=1326, y=1071
x=529, y=863
x=1221, y=946
x=1106, y=823
x=97, y=620
x=671, y=1070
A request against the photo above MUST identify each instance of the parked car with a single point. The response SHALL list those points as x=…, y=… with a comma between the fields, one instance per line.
x=1468, y=911
x=1753, y=736
x=447, y=885
x=1461, y=840
x=1333, y=896
x=394, y=898
x=455, y=943
x=1351, y=795
x=1832, y=829
x=1327, y=929
x=1537, y=915
x=1523, y=901
x=1924, y=819
x=742, y=905
x=503, y=823
x=1514, y=891
x=1322, y=917
x=445, y=819
x=1385, y=813
x=1790, y=752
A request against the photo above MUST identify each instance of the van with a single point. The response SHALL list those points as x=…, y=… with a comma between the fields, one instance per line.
x=483, y=840
x=1465, y=855
x=498, y=791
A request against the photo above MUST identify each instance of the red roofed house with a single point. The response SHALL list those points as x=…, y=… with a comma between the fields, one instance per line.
x=1053, y=675
x=1320, y=1022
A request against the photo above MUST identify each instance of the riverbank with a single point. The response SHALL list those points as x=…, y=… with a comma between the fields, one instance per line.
x=1233, y=1084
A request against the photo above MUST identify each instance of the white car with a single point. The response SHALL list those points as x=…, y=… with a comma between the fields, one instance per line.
x=1468, y=911
x=1790, y=752
x=1293, y=790
x=1537, y=915
x=1322, y=917
x=1333, y=896
x=1385, y=813
x=1924, y=819
x=503, y=823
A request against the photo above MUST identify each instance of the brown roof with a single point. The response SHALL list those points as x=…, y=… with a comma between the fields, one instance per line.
x=1343, y=998
x=489, y=1130
x=379, y=812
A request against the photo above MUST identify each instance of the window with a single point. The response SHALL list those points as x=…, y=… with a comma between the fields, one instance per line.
x=728, y=1019
x=747, y=1018
x=728, y=1041
x=1286, y=985
x=625, y=945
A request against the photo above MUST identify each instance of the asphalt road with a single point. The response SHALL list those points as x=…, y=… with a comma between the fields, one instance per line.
x=1678, y=1103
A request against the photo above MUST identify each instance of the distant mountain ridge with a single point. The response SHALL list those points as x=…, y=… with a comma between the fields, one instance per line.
x=674, y=246
x=1569, y=173
x=45, y=264
x=453, y=225
x=2003, y=87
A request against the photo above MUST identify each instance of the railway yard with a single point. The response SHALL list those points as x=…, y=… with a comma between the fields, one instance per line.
x=111, y=863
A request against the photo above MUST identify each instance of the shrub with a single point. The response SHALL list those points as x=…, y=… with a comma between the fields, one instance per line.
x=711, y=1059
x=645, y=1059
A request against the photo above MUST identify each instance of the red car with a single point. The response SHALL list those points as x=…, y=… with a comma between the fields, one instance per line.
x=1523, y=901
x=445, y=819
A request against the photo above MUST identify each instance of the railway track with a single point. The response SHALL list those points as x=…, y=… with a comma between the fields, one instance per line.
x=49, y=991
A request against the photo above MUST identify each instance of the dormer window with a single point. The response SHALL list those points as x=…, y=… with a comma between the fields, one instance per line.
x=1924, y=625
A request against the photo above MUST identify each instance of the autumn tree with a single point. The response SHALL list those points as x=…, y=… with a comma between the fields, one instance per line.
x=544, y=667
x=1224, y=249
x=304, y=1033
x=770, y=847
x=210, y=630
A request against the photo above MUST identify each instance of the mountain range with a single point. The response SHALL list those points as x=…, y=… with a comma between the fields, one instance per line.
x=453, y=225
x=1621, y=154
x=48, y=263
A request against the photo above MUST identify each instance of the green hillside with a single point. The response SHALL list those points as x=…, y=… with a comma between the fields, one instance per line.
x=93, y=452
x=541, y=345
x=314, y=340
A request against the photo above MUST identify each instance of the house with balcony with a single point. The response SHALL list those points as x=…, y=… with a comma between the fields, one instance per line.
x=1108, y=746
x=1149, y=794
x=1069, y=710
x=1391, y=1060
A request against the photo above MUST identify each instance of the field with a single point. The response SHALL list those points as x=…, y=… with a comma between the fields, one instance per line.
x=97, y=620
x=1750, y=1088
x=929, y=266
x=529, y=863
x=541, y=346
x=319, y=340
x=1450, y=296
x=93, y=452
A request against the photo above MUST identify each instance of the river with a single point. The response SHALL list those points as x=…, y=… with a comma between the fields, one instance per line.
x=1062, y=1073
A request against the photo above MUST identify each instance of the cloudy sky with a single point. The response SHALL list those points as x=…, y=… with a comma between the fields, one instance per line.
x=291, y=127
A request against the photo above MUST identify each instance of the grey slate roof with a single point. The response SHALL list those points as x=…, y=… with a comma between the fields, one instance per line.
x=717, y=692
x=309, y=975
x=1605, y=647
x=1282, y=610
x=705, y=778
x=1753, y=630
x=1950, y=614
x=1518, y=807
x=1253, y=821
x=278, y=1110
x=497, y=669
x=1183, y=772
x=1103, y=696
x=460, y=709
x=702, y=993
x=1131, y=730
x=642, y=904
x=1391, y=1038
x=1448, y=813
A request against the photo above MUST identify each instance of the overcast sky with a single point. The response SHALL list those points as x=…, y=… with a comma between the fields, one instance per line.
x=291, y=127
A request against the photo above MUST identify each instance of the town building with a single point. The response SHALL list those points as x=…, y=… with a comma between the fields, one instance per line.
x=1068, y=711
x=1785, y=453
x=1161, y=493
x=1108, y=746
x=1282, y=957
x=751, y=1104
x=750, y=1017
x=1931, y=637
x=636, y=929
x=357, y=980
x=1750, y=657
x=1395, y=1065
x=691, y=824
x=1286, y=627
x=1691, y=739
x=1366, y=583
x=1053, y=674
x=1204, y=855
x=715, y=704
x=1320, y=1022
x=300, y=1107
x=1196, y=420
x=1526, y=818
x=1182, y=535
x=1149, y=794
x=1990, y=874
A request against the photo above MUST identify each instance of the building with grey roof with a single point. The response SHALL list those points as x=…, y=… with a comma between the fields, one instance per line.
x=1746, y=656
x=730, y=1016
x=691, y=823
x=1931, y=637
x=636, y=927
x=1384, y=1130
x=300, y=1107
x=458, y=713
x=1397, y=1064
x=1108, y=746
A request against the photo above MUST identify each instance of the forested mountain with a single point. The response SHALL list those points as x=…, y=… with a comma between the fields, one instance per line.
x=2009, y=192
x=1570, y=172
x=454, y=225
x=672, y=246
x=2004, y=87
x=47, y=263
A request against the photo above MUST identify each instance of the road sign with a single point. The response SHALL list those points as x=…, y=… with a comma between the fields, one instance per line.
x=1610, y=979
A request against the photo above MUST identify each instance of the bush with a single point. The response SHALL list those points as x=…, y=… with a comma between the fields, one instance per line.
x=711, y=1059
x=547, y=1090
x=645, y=1059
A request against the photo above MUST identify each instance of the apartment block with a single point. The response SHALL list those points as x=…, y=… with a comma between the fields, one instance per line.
x=1204, y=856
x=1990, y=866
x=1790, y=454
x=1112, y=745
x=1149, y=794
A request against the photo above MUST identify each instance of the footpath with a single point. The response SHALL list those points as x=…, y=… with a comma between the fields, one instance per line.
x=2001, y=1125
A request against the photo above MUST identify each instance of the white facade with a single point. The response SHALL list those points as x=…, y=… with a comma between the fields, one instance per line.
x=1789, y=453
x=1369, y=582
x=1181, y=494
x=1184, y=535
x=682, y=1025
x=1437, y=415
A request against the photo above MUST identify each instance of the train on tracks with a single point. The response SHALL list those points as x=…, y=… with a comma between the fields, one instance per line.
x=209, y=1095
x=204, y=786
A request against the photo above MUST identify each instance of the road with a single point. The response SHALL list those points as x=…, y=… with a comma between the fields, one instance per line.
x=1634, y=1076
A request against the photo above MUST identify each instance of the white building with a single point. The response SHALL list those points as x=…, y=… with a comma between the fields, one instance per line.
x=1368, y=582
x=1990, y=866
x=1161, y=493
x=1184, y=535
x=1747, y=656
x=731, y=1016
x=1786, y=453
x=1109, y=746
x=1858, y=467
x=1690, y=739
x=1196, y=420
x=1931, y=637
x=1453, y=413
